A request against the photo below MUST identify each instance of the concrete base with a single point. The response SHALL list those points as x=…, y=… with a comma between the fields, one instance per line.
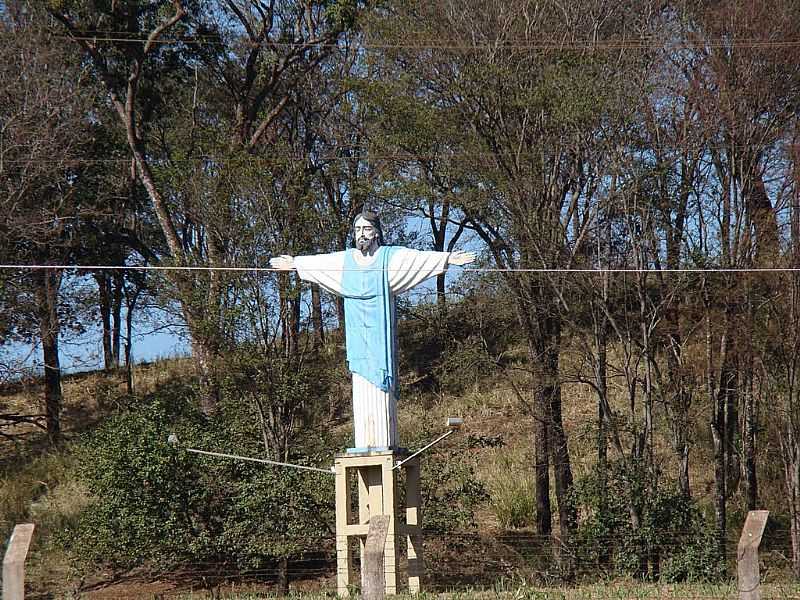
x=377, y=482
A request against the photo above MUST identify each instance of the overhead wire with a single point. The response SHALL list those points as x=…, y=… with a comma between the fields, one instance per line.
x=598, y=270
x=488, y=45
x=365, y=156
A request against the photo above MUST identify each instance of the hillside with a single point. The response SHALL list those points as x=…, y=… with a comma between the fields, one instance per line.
x=480, y=507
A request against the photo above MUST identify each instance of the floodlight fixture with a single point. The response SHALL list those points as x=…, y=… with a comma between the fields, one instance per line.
x=453, y=424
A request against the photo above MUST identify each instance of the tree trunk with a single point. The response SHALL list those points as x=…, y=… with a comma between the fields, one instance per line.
x=732, y=464
x=679, y=401
x=790, y=451
x=601, y=383
x=541, y=451
x=441, y=297
x=47, y=292
x=316, y=317
x=718, y=398
x=116, y=318
x=567, y=514
x=129, y=311
x=541, y=445
x=290, y=315
x=105, y=317
x=205, y=363
x=340, y=312
x=749, y=444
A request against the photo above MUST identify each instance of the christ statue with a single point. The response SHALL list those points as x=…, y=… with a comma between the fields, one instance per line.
x=369, y=277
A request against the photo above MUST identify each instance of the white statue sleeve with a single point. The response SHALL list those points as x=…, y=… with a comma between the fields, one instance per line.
x=324, y=269
x=408, y=268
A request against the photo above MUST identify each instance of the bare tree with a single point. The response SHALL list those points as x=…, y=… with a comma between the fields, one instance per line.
x=133, y=50
x=43, y=127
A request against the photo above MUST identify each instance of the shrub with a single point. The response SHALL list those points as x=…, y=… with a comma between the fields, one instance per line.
x=672, y=543
x=154, y=503
x=458, y=348
x=451, y=492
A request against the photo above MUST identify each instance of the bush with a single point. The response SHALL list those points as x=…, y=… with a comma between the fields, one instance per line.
x=456, y=349
x=450, y=490
x=672, y=543
x=154, y=503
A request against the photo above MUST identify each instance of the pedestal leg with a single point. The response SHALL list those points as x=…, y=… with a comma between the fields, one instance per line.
x=390, y=508
x=416, y=566
x=377, y=495
x=344, y=558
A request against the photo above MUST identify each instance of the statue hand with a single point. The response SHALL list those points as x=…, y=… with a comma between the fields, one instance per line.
x=460, y=258
x=284, y=262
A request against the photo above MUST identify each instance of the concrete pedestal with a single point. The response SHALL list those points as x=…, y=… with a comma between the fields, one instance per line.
x=377, y=483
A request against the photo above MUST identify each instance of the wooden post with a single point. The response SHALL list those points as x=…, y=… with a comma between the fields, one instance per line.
x=14, y=562
x=344, y=559
x=747, y=555
x=413, y=527
x=390, y=508
x=374, y=580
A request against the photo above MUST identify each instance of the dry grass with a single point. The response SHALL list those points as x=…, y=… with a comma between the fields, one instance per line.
x=36, y=485
x=620, y=591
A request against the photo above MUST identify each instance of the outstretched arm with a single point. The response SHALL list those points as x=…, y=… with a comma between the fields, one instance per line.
x=324, y=269
x=409, y=268
x=460, y=258
x=284, y=262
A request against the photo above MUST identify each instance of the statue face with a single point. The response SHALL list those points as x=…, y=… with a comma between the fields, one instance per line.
x=366, y=235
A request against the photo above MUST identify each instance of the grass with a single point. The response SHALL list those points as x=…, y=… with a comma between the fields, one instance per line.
x=41, y=490
x=511, y=488
x=621, y=591
x=36, y=484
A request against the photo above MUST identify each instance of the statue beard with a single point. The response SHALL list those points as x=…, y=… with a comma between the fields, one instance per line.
x=366, y=246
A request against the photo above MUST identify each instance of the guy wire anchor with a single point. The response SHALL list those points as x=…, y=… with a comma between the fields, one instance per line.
x=453, y=423
x=173, y=441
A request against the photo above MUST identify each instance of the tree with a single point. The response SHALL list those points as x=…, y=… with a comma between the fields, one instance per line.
x=529, y=137
x=44, y=125
x=255, y=56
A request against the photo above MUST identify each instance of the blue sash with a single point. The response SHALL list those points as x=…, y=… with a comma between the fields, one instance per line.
x=369, y=318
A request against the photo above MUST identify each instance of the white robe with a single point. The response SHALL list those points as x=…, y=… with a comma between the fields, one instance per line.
x=374, y=411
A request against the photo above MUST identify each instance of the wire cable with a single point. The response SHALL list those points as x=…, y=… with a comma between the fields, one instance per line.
x=599, y=270
x=623, y=44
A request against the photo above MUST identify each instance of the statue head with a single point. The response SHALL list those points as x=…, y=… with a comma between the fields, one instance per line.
x=367, y=232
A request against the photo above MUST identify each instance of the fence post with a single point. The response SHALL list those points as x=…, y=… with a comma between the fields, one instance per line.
x=14, y=562
x=747, y=555
x=373, y=580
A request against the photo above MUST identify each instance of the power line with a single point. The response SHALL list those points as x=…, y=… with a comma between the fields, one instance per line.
x=331, y=157
x=543, y=270
x=423, y=44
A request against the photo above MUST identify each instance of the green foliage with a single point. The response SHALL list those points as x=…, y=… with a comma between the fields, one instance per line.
x=154, y=503
x=451, y=492
x=673, y=542
x=341, y=14
x=456, y=348
x=279, y=394
x=142, y=487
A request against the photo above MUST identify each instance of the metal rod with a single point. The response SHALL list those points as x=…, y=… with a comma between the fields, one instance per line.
x=261, y=460
x=421, y=450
